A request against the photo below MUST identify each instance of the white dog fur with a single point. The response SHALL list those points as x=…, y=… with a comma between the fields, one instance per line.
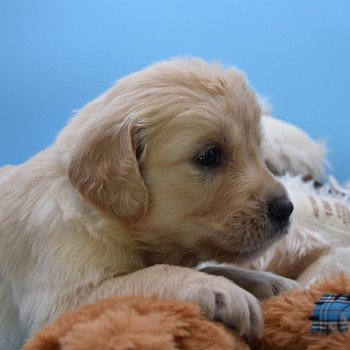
x=288, y=149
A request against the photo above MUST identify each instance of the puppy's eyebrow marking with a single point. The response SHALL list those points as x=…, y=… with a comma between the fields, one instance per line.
x=230, y=133
x=225, y=137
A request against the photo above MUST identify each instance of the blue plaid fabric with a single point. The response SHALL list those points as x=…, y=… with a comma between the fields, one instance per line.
x=331, y=314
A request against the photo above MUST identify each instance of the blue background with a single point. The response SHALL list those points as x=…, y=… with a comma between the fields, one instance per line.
x=55, y=56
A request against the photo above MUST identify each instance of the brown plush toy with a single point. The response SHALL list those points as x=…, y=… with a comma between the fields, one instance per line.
x=138, y=323
x=135, y=323
x=287, y=318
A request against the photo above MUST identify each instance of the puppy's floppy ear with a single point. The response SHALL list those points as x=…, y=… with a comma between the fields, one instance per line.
x=105, y=170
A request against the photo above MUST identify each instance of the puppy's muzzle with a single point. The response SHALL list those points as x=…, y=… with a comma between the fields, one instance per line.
x=280, y=211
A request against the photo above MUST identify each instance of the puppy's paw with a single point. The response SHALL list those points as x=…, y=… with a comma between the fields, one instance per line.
x=262, y=284
x=270, y=284
x=226, y=302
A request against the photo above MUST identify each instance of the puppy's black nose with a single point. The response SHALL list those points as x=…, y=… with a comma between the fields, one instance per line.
x=281, y=209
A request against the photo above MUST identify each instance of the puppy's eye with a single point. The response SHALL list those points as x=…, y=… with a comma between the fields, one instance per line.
x=210, y=157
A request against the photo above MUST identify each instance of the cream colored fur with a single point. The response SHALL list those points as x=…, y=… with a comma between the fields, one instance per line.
x=120, y=192
x=288, y=149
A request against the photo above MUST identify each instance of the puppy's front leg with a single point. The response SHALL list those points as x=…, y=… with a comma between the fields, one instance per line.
x=262, y=284
x=220, y=298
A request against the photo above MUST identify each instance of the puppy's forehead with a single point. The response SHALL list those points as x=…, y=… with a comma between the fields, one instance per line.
x=205, y=102
x=213, y=122
x=177, y=84
x=184, y=103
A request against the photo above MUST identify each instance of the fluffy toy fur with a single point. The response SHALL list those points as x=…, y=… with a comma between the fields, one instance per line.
x=287, y=324
x=130, y=323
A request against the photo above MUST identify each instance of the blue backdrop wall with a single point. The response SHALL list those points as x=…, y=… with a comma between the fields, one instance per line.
x=58, y=55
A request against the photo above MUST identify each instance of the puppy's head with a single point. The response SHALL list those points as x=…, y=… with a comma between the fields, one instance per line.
x=174, y=152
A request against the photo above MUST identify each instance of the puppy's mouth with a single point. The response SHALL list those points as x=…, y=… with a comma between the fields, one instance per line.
x=253, y=244
x=280, y=228
x=253, y=252
x=273, y=226
x=267, y=237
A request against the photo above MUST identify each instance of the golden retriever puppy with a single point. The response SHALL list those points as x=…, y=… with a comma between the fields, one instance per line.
x=162, y=172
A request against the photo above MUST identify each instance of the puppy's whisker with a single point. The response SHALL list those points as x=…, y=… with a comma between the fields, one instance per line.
x=222, y=244
x=245, y=243
x=249, y=237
